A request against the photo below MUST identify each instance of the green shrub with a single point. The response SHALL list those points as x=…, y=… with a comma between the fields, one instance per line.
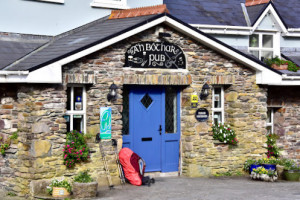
x=83, y=177
x=76, y=149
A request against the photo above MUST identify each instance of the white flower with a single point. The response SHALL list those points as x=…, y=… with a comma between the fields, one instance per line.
x=228, y=126
x=225, y=141
x=224, y=135
x=221, y=131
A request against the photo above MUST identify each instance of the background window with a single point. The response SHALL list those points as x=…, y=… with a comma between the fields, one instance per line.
x=261, y=45
x=76, y=108
x=270, y=124
x=218, y=105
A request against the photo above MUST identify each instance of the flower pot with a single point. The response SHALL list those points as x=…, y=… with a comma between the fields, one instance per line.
x=291, y=175
x=60, y=192
x=269, y=167
x=280, y=67
x=85, y=190
x=253, y=167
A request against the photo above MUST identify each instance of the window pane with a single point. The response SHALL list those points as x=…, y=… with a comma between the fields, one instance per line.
x=68, y=98
x=217, y=98
x=266, y=54
x=269, y=129
x=78, y=98
x=269, y=115
x=67, y=118
x=254, y=41
x=217, y=117
x=255, y=53
x=268, y=41
x=171, y=110
x=78, y=123
x=125, y=112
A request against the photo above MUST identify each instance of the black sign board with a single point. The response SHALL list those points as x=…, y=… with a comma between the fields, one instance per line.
x=202, y=115
x=155, y=55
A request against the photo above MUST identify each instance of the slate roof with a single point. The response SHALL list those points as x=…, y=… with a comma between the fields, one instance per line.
x=77, y=40
x=229, y=12
x=15, y=46
x=212, y=12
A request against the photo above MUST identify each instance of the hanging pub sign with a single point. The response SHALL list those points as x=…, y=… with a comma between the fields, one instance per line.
x=155, y=55
x=105, y=123
x=202, y=115
x=194, y=100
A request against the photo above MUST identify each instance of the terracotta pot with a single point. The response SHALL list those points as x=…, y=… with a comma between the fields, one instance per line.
x=60, y=192
x=280, y=67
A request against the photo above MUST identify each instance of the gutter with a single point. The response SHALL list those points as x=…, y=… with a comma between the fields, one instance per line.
x=20, y=73
x=285, y=77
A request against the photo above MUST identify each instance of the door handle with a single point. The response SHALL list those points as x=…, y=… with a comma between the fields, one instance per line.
x=160, y=129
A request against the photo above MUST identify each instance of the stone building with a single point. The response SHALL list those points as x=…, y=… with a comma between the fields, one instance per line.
x=157, y=62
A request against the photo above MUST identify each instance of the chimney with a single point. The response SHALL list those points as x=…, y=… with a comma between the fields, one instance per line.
x=136, y=12
x=256, y=2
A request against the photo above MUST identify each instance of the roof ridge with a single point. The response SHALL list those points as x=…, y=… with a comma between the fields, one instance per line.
x=140, y=11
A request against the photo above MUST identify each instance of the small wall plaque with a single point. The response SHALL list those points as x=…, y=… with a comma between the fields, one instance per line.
x=202, y=115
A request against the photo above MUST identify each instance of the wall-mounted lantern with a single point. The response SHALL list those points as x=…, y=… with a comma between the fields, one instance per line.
x=112, y=95
x=204, y=91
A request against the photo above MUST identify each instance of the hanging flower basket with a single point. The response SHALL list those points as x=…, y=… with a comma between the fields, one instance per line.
x=60, y=192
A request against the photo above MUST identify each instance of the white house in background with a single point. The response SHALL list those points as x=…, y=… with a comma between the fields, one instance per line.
x=52, y=17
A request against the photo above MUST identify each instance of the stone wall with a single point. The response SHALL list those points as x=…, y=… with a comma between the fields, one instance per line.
x=39, y=109
x=286, y=119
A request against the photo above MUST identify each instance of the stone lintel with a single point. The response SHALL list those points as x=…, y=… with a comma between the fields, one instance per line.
x=157, y=79
x=79, y=78
x=222, y=80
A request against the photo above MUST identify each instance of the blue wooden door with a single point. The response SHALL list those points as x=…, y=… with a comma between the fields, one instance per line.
x=154, y=129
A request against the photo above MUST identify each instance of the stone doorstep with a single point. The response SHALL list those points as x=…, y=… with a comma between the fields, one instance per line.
x=161, y=174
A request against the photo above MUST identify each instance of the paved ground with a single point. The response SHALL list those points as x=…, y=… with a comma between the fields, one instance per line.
x=207, y=189
x=220, y=188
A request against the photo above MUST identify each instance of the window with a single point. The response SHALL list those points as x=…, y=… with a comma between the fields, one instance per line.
x=270, y=124
x=218, y=105
x=171, y=110
x=76, y=108
x=262, y=45
x=119, y=4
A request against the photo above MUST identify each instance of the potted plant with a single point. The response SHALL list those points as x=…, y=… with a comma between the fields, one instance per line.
x=291, y=170
x=59, y=188
x=224, y=134
x=251, y=164
x=84, y=186
x=280, y=64
x=269, y=163
x=263, y=174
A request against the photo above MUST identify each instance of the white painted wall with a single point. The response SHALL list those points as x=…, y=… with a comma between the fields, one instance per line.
x=44, y=18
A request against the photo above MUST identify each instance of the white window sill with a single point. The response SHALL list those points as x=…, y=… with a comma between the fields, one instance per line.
x=109, y=5
x=53, y=1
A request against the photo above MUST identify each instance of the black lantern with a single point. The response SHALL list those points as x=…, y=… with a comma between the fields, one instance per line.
x=112, y=95
x=204, y=91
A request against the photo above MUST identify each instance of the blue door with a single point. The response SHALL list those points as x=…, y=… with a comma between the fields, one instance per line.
x=154, y=127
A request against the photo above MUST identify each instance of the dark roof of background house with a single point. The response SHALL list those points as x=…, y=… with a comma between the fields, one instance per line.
x=229, y=12
x=212, y=12
x=287, y=9
x=255, y=11
x=15, y=46
x=77, y=40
